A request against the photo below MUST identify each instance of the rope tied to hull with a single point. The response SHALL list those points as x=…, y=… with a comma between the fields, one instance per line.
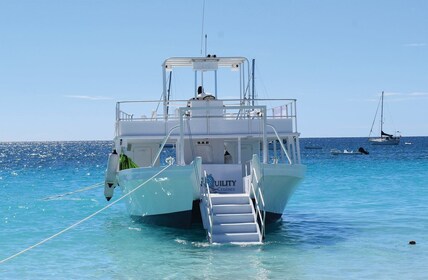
x=73, y=192
x=84, y=219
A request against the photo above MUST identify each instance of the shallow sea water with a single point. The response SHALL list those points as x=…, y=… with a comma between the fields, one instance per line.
x=351, y=218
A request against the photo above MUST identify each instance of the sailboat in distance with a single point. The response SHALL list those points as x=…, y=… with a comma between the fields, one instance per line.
x=385, y=138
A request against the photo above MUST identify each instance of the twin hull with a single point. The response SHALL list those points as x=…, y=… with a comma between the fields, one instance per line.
x=172, y=197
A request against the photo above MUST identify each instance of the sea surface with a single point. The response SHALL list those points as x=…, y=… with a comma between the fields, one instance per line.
x=351, y=218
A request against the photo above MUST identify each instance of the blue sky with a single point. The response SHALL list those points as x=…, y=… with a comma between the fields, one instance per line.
x=64, y=64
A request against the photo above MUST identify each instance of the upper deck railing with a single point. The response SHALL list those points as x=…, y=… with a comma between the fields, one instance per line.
x=230, y=109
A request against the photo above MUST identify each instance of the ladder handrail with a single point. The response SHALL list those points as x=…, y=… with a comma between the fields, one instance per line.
x=258, y=196
x=259, y=214
x=209, y=207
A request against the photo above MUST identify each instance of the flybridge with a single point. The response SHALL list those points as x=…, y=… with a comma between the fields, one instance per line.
x=210, y=62
x=206, y=72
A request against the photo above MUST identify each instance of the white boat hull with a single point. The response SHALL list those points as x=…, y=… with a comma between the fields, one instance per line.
x=345, y=152
x=385, y=141
x=166, y=199
x=278, y=183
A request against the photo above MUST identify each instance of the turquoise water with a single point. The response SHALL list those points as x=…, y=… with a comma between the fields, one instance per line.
x=352, y=218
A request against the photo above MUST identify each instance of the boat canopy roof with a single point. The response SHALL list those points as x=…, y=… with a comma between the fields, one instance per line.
x=206, y=75
x=204, y=63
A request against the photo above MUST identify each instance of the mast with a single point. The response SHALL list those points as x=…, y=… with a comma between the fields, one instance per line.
x=381, y=117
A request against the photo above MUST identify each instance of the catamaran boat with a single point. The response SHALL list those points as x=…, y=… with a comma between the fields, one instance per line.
x=212, y=155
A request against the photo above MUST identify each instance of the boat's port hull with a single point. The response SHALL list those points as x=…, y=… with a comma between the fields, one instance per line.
x=278, y=185
x=272, y=217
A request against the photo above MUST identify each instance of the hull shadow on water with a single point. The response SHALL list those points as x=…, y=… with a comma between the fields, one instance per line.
x=307, y=230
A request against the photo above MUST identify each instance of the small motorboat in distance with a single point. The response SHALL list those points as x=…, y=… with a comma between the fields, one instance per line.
x=360, y=151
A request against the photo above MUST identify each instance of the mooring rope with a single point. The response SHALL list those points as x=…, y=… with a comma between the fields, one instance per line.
x=73, y=192
x=83, y=220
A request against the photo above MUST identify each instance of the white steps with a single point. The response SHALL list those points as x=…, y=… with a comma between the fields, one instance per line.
x=234, y=219
x=235, y=227
x=231, y=208
x=246, y=237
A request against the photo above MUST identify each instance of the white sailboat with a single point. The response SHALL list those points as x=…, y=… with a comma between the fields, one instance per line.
x=206, y=158
x=385, y=138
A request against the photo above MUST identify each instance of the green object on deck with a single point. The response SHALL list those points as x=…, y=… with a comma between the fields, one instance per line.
x=126, y=163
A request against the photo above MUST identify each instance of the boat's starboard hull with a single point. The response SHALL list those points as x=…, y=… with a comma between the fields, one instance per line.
x=163, y=199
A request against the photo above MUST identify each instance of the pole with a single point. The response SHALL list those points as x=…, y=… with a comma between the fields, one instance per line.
x=252, y=78
x=381, y=117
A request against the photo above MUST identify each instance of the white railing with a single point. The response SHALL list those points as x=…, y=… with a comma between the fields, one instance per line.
x=280, y=142
x=235, y=106
x=209, y=206
x=125, y=116
x=258, y=195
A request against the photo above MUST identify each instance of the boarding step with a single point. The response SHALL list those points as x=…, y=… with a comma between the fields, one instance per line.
x=232, y=209
x=233, y=219
x=229, y=199
x=235, y=228
x=236, y=237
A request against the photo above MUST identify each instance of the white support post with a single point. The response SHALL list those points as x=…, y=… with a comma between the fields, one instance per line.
x=265, y=145
x=181, y=159
x=239, y=150
x=164, y=92
x=298, y=149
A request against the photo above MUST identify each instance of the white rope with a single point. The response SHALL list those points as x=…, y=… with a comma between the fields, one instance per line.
x=83, y=220
x=77, y=191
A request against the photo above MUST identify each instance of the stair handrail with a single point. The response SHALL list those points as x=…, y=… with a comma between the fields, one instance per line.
x=209, y=206
x=258, y=195
x=262, y=216
x=163, y=144
x=280, y=143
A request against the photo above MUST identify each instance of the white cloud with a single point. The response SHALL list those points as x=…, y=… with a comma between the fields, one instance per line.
x=88, y=97
x=393, y=96
x=397, y=97
x=418, y=94
x=415, y=45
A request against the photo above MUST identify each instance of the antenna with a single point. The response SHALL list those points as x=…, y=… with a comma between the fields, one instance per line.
x=252, y=78
x=202, y=31
x=206, y=43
